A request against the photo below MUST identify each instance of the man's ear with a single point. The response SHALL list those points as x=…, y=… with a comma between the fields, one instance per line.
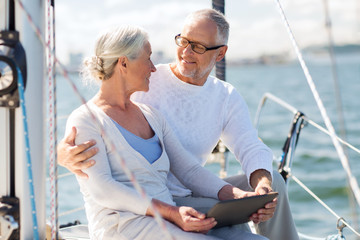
x=222, y=53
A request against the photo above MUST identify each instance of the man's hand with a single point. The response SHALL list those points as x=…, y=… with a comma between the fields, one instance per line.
x=261, y=181
x=229, y=192
x=264, y=214
x=74, y=157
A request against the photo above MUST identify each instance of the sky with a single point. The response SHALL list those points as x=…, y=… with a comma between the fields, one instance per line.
x=256, y=27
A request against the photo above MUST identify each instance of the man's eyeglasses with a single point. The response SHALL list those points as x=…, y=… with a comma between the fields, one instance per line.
x=196, y=47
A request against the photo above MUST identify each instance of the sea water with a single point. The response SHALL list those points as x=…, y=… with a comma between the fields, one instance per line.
x=316, y=162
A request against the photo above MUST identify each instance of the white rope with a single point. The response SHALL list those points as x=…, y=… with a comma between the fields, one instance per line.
x=71, y=211
x=309, y=237
x=323, y=203
x=344, y=161
x=53, y=170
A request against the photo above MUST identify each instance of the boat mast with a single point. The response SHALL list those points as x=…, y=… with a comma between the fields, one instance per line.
x=14, y=183
x=220, y=67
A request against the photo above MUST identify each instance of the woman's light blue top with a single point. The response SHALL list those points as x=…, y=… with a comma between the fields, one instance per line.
x=149, y=148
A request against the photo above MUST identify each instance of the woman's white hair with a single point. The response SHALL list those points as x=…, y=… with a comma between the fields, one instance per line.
x=111, y=44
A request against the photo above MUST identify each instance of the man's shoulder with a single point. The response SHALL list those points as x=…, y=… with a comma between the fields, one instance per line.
x=220, y=85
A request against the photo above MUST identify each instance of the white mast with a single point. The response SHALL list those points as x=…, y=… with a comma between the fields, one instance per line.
x=35, y=108
x=36, y=114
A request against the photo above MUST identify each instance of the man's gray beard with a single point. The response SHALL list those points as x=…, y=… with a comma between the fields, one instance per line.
x=197, y=75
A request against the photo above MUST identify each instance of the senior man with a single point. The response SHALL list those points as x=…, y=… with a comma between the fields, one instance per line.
x=202, y=109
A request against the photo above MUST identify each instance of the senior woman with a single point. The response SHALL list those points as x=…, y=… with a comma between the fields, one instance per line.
x=149, y=149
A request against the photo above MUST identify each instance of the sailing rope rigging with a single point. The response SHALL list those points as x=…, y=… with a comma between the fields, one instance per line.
x=339, y=106
x=322, y=203
x=28, y=156
x=127, y=171
x=344, y=161
x=53, y=170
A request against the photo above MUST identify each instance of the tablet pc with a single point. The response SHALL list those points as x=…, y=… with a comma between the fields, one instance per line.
x=237, y=211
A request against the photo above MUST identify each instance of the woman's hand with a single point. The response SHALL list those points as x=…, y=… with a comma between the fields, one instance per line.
x=190, y=220
x=187, y=218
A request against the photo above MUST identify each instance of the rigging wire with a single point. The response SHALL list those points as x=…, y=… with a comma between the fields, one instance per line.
x=339, y=106
x=53, y=170
x=344, y=161
x=323, y=204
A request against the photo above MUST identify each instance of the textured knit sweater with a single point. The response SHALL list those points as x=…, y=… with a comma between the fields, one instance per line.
x=201, y=115
x=108, y=190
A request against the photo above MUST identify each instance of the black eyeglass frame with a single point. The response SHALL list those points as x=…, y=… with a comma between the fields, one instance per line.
x=192, y=45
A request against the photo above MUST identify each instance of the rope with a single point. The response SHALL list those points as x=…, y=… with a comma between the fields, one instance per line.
x=61, y=176
x=127, y=171
x=323, y=204
x=309, y=237
x=52, y=129
x=71, y=211
x=344, y=161
x=339, y=106
x=28, y=157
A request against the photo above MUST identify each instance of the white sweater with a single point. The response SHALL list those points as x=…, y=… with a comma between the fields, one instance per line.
x=201, y=115
x=108, y=189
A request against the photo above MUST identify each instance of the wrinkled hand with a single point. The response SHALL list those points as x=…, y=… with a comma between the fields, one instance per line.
x=264, y=214
x=187, y=218
x=229, y=192
x=190, y=220
x=262, y=180
x=75, y=157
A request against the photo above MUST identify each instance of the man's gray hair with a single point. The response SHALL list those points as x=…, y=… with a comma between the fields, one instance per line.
x=217, y=17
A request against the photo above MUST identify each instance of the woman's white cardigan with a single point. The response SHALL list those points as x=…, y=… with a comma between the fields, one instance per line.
x=109, y=190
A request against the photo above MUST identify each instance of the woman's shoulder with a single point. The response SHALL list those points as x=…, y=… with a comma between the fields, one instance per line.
x=152, y=113
x=149, y=110
x=83, y=114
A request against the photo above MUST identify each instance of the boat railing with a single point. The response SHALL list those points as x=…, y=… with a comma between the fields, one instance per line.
x=269, y=96
x=341, y=222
